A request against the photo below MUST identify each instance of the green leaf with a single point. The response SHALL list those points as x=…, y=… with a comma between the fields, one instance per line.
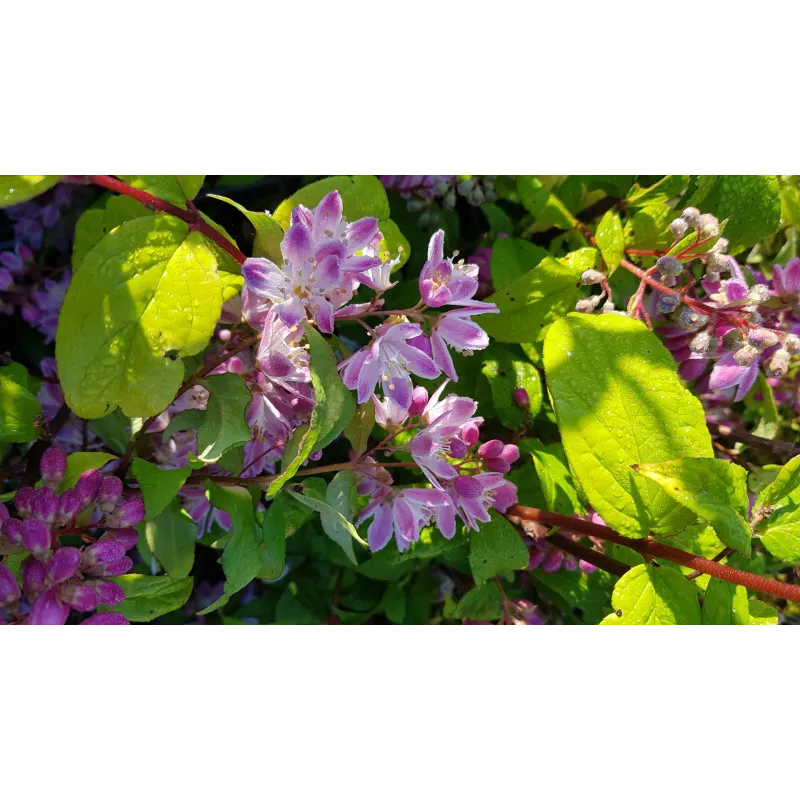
x=284, y=517
x=19, y=408
x=537, y=298
x=269, y=233
x=159, y=486
x=394, y=603
x=78, y=463
x=611, y=240
x=481, y=603
x=495, y=549
x=498, y=220
x=360, y=427
x=172, y=188
x=648, y=228
x=114, y=430
x=761, y=613
x=618, y=402
x=713, y=489
x=19, y=188
x=150, y=596
x=555, y=479
x=171, y=537
x=781, y=533
x=652, y=595
x=752, y=202
x=147, y=293
x=189, y=420
x=725, y=604
x=224, y=425
x=783, y=484
x=542, y=203
x=589, y=593
x=512, y=258
x=769, y=419
x=505, y=370
x=661, y=191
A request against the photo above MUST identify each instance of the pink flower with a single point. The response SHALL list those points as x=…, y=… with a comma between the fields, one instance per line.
x=474, y=495
x=442, y=282
x=455, y=329
x=786, y=280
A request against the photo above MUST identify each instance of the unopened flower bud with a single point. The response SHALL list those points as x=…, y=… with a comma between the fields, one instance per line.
x=700, y=342
x=608, y=307
x=751, y=315
x=791, y=343
x=127, y=537
x=12, y=528
x=9, y=588
x=718, y=262
x=129, y=513
x=758, y=293
x=720, y=246
x=44, y=505
x=510, y=453
x=708, y=226
x=457, y=448
x=106, y=618
x=745, y=355
x=470, y=433
x=63, y=564
x=69, y=504
x=109, y=494
x=678, y=227
x=762, y=338
x=732, y=340
x=497, y=465
x=32, y=573
x=779, y=364
x=691, y=320
x=88, y=486
x=591, y=277
x=667, y=303
x=80, y=596
x=691, y=216
x=668, y=265
x=419, y=399
x=491, y=449
x=23, y=500
x=108, y=592
x=48, y=610
x=102, y=552
x=585, y=305
x=113, y=569
x=521, y=398
x=53, y=465
x=36, y=537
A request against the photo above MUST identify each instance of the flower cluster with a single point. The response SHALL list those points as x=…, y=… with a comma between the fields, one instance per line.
x=55, y=578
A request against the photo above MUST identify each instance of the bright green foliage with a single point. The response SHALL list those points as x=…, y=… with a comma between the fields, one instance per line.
x=647, y=228
x=189, y=420
x=362, y=196
x=661, y=191
x=780, y=534
x=784, y=483
x=584, y=596
x=619, y=402
x=505, y=370
x=537, y=298
x=19, y=408
x=725, y=604
x=481, y=603
x=78, y=463
x=284, y=516
x=19, y=188
x=649, y=594
x=545, y=206
x=768, y=425
x=171, y=537
x=172, y=188
x=752, y=202
x=158, y=486
x=512, y=258
x=714, y=490
x=147, y=294
x=761, y=613
x=495, y=549
x=611, y=240
x=150, y=596
x=269, y=233
x=555, y=479
x=224, y=425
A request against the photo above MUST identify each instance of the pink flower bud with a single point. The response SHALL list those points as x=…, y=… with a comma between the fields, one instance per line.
x=113, y=569
x=470, y=433
x=9, y=588
x=108, y=592
x=101, y=552
x=127, y=537
x=22, y=501
x=36, y=537
x=12, y=528
x=63, y=564
x=4, y=515
x=586, y=567
x=110, y=493
x=497, y=465
x=80, y=596
x=53, y=465
x=48, y=610
x=44, y=505
x=552, y=561
x=419, y=399
x=491, y=449
x=88, y=486
x=510, y=453
x=457, y=447
x=106, y=618
x=69, y=504
x=129, y=513
x=521, y=398
x=32, y=573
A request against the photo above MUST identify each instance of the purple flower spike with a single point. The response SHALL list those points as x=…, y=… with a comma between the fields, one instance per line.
x=32, y=573
x=88, y=486
x=130, y=513
x=12, y=528
x=113, y=569
x=36, y=537
x=45, y=505
x=69, y=504
x=106, y=618
x=102, y=552
x=109, y=593
x=110, y=493
x=63, y=564
x=48, y=610
x=9, y=588
x=53, y=465
x=127, y=537
x=23, y=500
x=80, y=596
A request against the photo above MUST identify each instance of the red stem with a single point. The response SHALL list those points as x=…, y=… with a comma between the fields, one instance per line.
x=651, y=548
